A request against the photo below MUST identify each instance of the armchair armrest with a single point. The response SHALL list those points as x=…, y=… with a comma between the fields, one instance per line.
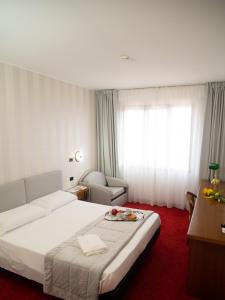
x=99, y=194
x=113, y=181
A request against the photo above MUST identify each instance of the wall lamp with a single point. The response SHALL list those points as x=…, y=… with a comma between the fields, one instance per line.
x=78, y=156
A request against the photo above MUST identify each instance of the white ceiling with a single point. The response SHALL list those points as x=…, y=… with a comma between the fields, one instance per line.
x=170, y=42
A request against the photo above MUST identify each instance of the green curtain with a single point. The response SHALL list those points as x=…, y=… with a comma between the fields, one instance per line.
x=213, y=146
x=106, y=113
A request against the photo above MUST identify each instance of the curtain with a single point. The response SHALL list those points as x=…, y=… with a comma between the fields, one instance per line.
x=107, y=158
x=159, y=142
x=213, y=146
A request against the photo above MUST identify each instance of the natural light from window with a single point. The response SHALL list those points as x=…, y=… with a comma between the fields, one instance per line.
x=157, y=137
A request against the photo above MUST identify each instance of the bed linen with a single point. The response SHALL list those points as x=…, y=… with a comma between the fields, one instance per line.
x=91, y=244
x=19, y=216
x=69, y=274
x=23, y=250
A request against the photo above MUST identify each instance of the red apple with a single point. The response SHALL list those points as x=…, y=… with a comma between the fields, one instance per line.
x=114, y=212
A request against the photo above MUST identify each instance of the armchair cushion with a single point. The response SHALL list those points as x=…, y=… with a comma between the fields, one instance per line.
x=116, y=191
x=113, y=181
x=95, y=178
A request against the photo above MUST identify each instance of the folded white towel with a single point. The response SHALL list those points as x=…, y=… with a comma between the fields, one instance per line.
x=91, y=244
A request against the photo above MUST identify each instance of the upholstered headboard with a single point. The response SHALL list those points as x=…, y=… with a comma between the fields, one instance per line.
x=40, y=185
x=12, y=194
x=16, y=193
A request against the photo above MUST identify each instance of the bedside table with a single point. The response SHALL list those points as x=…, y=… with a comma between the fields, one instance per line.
x=80, y=191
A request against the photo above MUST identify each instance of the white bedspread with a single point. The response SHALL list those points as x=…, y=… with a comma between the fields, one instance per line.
x=27, y=245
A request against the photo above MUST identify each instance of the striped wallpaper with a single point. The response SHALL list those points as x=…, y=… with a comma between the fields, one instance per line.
x=42, y=122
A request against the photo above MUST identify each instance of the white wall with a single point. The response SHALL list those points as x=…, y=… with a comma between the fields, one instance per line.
x=43, y=121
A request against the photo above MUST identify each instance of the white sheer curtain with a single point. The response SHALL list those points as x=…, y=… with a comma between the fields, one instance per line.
x=159, y=142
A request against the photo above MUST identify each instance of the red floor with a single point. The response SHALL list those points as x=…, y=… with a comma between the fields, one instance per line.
x=162, y=276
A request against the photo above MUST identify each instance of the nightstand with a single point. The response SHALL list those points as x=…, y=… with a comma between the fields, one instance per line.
x=80, y=191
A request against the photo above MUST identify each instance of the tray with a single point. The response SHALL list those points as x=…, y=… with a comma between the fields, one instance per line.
x=124, y=216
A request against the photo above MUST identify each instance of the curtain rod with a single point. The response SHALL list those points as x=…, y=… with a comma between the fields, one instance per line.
x=162, y=86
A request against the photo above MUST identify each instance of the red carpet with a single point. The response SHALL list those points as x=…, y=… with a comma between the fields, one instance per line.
x=162, y=276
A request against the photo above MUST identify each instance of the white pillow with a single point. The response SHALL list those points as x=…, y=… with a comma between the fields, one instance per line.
x=54, y=200
x=19, y=216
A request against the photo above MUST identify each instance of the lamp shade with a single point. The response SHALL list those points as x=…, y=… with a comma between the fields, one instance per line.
x=78, y=156
x=214, y=166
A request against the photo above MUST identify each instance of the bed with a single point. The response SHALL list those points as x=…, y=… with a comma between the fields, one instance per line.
x=23, y=252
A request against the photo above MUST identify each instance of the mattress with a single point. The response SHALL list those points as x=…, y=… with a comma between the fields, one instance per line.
x=23, y=249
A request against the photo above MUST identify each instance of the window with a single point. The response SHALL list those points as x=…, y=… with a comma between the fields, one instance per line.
x=159, y=142
x=157, y=137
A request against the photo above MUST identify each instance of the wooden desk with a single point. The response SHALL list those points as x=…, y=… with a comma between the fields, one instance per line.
x=206, y=262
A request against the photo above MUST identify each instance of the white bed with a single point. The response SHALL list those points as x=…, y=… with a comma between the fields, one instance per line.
x=23, y=249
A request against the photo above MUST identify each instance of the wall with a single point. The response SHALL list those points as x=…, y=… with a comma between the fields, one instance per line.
x=42, y=122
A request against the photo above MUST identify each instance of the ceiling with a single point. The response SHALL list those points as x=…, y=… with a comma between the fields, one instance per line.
x=170, y=42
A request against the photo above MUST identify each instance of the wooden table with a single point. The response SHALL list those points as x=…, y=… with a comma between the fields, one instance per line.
x=206, y=262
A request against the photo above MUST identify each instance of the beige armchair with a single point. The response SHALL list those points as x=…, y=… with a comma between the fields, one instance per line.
x=104, y=189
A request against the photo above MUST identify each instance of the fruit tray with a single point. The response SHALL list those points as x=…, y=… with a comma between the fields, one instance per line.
x=125, y=215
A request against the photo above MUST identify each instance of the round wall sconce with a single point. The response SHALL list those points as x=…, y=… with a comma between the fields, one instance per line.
x=78, y=156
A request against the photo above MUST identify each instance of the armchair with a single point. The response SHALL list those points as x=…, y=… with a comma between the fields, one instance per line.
x=105, y=189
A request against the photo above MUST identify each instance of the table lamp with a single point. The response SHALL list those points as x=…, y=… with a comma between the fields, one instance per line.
x=214, y=167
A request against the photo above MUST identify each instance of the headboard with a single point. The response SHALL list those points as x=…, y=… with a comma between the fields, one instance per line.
x=16, y=193
x=40, y=185
x=12, y=194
